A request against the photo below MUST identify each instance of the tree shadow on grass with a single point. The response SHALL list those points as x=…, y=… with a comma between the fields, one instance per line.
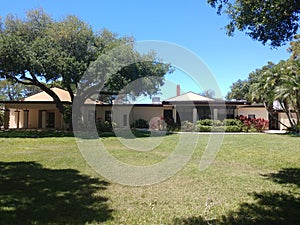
x=276, y=208
x=34, y=134
x=31, y=194
x=286, y=176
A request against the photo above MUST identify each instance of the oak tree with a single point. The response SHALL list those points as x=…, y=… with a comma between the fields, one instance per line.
x=268, y=21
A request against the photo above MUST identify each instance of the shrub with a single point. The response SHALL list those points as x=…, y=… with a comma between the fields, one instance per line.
x=205, y=122
x=203, y=128
x=187, y=126
x=253, y=124
x=174, y=127
x=217, y=123
x=104, y=126
x=218, y=129
x=234, y=128
x=232, y=122
x=260, y=124
x=294, y=129
x=140, y=123
x=210, y=122
x=227, y=125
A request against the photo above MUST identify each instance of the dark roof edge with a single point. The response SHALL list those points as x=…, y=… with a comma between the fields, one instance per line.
x=32, y=102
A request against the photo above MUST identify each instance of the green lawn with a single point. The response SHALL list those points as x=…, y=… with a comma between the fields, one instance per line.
x=255, y=179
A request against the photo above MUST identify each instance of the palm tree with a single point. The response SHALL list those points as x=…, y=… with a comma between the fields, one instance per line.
x=269, y=85
x=288, y=90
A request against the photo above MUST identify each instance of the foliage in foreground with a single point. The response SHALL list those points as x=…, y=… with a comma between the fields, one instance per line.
x=274, y=22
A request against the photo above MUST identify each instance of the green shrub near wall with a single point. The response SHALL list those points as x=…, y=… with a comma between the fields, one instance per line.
x=187, y=126
x=203, y=128
x=227, y=125
x=233, y=122
x=204, y=122
x=105, y=126
x=234, y=128
x=140, y=123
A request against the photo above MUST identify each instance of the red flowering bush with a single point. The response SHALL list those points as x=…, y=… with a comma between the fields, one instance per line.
x=258, y=124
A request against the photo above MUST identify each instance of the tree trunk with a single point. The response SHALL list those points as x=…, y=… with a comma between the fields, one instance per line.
x=71, y=93
x=58, y=103
x=287, y=113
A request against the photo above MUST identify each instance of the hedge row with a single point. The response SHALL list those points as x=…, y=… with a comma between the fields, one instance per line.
x=228, y=125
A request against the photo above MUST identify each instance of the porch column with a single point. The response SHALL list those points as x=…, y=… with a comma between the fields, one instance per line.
x=44, y=122
x=174, y=114
x=195, y=115
x=215, y=114
x=17, y=118
x=26, y=115
x=6, y=118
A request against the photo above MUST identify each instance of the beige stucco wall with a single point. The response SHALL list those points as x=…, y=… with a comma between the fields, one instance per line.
x=282, y=117
x=100, y=112
x=146, y=113
x=33, y=115
x=132, y=113
x=259, y=112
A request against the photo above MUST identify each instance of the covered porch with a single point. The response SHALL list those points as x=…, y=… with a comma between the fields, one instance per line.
x=28, y=115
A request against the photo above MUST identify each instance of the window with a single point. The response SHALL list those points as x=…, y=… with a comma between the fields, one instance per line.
x=204, y=112
x=251, y=116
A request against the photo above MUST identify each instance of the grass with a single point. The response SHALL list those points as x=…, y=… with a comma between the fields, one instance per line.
x=255, y=179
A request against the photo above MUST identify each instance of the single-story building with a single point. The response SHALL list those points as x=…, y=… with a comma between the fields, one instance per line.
x=35, y=112
x=39, y=111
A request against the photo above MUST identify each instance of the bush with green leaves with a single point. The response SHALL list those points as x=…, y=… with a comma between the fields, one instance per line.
x=140, y=123
x=227, y=125
x=187, y=126
x=105, y=126
x=205, y=122
x=234, y=128
x=203, y=128
x=232, y=122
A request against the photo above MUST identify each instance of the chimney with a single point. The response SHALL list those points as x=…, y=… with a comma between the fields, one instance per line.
x=177, y=90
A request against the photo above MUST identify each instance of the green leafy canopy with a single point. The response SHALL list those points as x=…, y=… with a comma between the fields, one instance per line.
x=268, y=21
x=40, y=48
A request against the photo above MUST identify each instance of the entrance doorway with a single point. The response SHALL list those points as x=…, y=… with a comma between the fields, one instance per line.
x=50, y=119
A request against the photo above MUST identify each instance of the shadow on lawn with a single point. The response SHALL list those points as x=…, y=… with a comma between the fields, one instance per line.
x=286, y=176
x=128, y=134
x=276, y=208
x=31, y=194
x=34, y=134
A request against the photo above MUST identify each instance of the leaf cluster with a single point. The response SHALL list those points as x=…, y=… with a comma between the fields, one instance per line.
x=39, y=50
x=269, y=21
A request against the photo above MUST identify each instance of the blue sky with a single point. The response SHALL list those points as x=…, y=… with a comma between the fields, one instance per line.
x=192, y=24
